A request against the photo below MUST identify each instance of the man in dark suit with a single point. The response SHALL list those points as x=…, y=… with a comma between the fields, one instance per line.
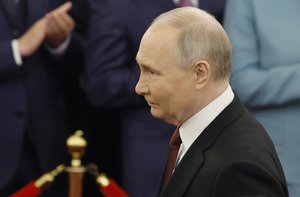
x=32, y=113
x=116, y=28
x=185, y=63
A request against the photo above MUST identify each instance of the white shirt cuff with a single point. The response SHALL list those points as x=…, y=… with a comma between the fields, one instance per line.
x=16, y=52
x=61, y=48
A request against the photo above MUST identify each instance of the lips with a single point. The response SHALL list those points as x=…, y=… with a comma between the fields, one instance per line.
x=151, y=103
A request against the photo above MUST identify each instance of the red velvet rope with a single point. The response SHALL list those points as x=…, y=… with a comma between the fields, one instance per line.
x=112, y=190
x=30, y=190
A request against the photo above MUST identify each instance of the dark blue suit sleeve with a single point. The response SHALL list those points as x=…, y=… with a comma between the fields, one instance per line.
x=7, y=61
x=111, y=70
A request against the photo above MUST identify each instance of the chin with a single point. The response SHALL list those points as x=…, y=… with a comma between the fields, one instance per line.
x=156, y=114
x=161, y=116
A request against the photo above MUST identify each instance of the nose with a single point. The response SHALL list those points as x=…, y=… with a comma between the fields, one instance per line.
x=141, y=87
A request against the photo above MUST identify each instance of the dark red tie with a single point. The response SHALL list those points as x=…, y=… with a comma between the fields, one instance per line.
x=174, y=146
x=183, y=3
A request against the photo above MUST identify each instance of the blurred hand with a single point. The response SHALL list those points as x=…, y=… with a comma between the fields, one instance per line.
x=32, y=39
x=54, y=27
x=59, y=24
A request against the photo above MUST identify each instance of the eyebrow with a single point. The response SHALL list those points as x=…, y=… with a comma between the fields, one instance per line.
x=136, y=58
x=145, y=66
x=140, y=62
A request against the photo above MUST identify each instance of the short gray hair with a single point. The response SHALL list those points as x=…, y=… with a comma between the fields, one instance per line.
x=201, y=37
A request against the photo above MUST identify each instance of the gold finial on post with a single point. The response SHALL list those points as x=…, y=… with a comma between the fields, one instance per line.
x=76, y=145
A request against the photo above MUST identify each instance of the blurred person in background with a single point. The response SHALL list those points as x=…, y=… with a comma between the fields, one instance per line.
x=266, y=72
x=103, y=147
x=33, y=37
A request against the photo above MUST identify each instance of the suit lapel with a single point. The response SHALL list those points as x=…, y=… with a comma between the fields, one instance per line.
x=184, y=174
x=12, y=22
x=3, y=22
x=193, y=159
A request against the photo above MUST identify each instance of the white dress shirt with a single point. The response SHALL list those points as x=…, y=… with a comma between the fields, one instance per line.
x=194, y=126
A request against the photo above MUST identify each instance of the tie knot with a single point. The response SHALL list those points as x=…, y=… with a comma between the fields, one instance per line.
x=175, y=140
x=183, y=3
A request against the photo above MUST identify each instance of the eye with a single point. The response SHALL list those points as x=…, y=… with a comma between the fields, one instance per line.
x=151, y=72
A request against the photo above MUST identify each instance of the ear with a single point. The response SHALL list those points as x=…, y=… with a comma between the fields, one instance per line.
x=201, y=73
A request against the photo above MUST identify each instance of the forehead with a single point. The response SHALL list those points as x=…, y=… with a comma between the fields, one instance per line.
x=157, y=43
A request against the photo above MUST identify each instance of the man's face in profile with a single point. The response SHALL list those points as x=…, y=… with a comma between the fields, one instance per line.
x=163, y=82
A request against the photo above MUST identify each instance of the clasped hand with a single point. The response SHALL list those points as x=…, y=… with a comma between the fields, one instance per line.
x=53, y=28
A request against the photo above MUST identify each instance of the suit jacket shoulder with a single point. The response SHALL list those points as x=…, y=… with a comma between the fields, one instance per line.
x=233, y=156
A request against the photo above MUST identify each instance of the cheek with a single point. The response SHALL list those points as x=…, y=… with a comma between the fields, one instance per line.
x=179, y=98
x=164, y=93
x=169, y=102
x=160, y=93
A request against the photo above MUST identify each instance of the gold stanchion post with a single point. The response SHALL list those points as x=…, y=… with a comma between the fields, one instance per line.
x=76, y=145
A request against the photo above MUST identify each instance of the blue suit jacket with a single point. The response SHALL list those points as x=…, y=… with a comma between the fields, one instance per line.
x=116, y=28
x=29, y=97
x=266, y=72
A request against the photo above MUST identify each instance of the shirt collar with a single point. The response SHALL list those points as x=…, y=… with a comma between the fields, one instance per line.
x=195, y=125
